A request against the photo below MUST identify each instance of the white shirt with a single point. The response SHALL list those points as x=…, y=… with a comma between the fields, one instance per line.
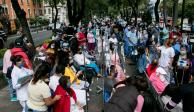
x=113, y=40
x=16, y=74
x=166, y=55
x=54, y=82
x=79, y=58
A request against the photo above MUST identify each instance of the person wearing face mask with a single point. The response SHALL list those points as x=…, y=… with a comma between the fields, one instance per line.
x=39, y=95
x=20, y=83
x=68, y=101
x=75, y=82
x=183, y=66
x=54, y=80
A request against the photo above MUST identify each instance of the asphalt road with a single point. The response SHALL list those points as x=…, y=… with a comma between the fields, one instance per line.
x=37, y=37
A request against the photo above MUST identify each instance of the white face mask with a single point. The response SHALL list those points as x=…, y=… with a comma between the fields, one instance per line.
x=183, y=52
x=52, y=46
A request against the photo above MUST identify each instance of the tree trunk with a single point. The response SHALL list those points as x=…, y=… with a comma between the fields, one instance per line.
x=75, y=17
x=52, y=14
x=56, y=15
x=21, y=15
x=69, y=9
x=135, y=11
x=175, y=13
x=156, y=11
x=165, y=12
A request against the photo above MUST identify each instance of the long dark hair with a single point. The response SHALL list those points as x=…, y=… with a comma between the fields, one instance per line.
x=63, y=83
x=42, y=71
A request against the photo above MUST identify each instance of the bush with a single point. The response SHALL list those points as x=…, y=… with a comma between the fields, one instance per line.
x=47, y=41
x=38, y=22
x=2, y=52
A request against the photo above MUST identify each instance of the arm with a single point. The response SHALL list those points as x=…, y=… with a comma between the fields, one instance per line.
x=140, y=102
x=50, y=101
x=15, y=80
x=47, y=96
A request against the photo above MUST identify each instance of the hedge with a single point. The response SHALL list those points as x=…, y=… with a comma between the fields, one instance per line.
x=2, y=52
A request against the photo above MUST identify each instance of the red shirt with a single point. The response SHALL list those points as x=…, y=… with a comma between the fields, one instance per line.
x=150, y=70
x=81, y=38
x=63, y=105
x=175, y=33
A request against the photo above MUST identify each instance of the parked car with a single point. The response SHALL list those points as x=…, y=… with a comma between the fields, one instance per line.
x=3, y=35
x=51, y=26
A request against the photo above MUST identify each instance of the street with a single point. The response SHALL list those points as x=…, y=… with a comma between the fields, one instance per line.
x=37, y=37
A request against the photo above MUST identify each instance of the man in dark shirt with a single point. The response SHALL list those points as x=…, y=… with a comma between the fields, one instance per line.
x=185, y=94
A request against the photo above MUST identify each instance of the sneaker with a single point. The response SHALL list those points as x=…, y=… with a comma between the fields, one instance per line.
x=14, y=99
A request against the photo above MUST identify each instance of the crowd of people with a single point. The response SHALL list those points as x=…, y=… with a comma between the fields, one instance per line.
x=58, y=77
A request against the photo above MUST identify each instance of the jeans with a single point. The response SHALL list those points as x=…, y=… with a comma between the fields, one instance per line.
x=12, y=91
x=27, y=109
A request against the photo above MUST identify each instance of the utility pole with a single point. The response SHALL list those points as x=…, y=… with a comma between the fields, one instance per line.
x=183, y=14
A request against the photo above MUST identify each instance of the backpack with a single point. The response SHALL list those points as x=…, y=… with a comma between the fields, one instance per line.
x=9, y=71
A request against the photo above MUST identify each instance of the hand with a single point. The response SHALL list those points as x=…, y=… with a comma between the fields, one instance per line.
x=57, y=97
x=79, y=105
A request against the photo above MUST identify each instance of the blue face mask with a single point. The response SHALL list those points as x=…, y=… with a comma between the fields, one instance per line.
x=21, y=65
x=68, y=84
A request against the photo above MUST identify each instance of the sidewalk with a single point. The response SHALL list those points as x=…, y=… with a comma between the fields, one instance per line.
x=5, y=104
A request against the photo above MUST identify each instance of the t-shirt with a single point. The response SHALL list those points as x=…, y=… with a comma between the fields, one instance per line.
x=36, y=93
x=133, y=38
x=70, y=73
x=113, y=40
x=166, y=55
x=79, y=58
x=54, y=82
x=90, y=38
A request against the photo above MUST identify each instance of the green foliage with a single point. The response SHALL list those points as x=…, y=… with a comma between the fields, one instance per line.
x=189, y=9
x=37, y=21
x=2, y=52
x=147, y=17
x=47, y=41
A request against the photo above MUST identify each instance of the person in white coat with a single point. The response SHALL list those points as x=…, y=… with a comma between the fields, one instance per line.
x=20, y=83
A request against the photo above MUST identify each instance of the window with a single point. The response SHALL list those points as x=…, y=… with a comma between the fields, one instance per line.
x=27, y=1
x=49, y=11
x=6, y=11
x=34, y=12
x=29, y=13
x=59, y=11
x=44, y=11
x=21, y=2
x=40, y=12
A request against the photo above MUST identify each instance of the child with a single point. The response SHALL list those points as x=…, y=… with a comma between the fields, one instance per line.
x=68, y=101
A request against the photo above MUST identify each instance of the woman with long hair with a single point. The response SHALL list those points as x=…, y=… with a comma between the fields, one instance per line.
x=39, y=92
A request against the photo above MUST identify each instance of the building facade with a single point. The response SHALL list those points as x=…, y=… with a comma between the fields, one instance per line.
x=49, y=13
x=31, y=7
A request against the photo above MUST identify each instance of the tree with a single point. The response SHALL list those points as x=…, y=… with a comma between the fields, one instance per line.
x=175, y=12
x=21, y=15
x=156, y=10
x=76, y=10
x=189, y=9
